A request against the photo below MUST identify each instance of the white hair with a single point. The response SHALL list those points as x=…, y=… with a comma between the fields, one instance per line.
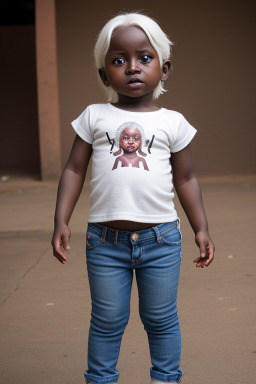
x=158, y=39
x=129, y=124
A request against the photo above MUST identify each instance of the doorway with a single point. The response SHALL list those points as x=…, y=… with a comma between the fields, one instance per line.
x=19, y=132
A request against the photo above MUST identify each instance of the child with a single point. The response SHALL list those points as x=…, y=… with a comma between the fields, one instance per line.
x=132, y=222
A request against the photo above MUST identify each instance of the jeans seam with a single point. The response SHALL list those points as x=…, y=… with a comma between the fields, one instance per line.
x=169, y=229
x=140, y=258
x=92, y=246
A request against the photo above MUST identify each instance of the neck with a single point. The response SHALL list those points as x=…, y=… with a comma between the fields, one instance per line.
x=130, y=154
x=138, y=104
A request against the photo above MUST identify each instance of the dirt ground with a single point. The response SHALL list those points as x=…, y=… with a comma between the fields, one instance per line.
x=45, y=306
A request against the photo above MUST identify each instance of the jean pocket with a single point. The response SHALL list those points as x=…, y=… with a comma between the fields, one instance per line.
x=92, y=240
x=172, y=237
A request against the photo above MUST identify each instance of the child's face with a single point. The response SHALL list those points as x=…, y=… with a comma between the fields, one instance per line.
x=132, y=65
x=130, y=139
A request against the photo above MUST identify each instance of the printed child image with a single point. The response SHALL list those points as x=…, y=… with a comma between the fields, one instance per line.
x=130, y=138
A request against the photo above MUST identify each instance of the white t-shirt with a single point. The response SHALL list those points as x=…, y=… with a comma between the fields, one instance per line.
x=131, y=170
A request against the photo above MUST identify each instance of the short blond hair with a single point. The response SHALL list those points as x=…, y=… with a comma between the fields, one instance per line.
x=158, y=39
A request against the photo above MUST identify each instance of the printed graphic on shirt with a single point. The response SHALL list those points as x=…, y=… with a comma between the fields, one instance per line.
x=130, y=139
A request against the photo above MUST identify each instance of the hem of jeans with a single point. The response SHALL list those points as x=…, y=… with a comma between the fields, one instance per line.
x=169, y=377
x=101, y=379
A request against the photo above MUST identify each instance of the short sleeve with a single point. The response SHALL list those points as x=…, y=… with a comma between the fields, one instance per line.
x=184, y=135
x=82, y=126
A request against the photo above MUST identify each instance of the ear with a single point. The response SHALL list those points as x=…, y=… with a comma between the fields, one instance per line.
x=103, y=77
x=166, y=67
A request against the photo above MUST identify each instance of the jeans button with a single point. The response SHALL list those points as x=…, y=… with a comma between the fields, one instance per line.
x=135, y=237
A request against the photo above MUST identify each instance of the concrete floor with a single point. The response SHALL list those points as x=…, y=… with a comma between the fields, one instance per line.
x=45, y=306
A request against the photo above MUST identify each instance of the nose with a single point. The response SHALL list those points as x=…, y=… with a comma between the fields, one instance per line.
x=133, y=67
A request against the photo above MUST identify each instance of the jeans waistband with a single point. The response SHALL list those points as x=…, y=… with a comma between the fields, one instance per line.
x=117, y=236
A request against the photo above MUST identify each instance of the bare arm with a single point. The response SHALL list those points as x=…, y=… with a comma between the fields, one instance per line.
x=189, y=193
x=70, y=186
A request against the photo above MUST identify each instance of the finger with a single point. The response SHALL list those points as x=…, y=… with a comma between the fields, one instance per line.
x=208, y=262
x=65, y=242
x=60, y=258
x=198, y=262
x=203, y=250
x=57, y=251
x=210, y=256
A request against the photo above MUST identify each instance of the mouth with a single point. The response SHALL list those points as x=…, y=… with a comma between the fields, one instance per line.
x=135, y=81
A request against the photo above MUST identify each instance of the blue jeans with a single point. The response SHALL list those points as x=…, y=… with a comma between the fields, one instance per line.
x=155, y=255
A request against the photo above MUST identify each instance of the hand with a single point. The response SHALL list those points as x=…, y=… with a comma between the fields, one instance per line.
x=206, y=247
x=60, y=241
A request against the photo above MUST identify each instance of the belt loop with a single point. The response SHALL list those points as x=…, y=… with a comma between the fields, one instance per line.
x=104, y=234
x=116, y=238
x=158, y=234
x=178, y=223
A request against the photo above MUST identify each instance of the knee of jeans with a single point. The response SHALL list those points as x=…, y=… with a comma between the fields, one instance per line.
x=111, y=321
x=159, y=322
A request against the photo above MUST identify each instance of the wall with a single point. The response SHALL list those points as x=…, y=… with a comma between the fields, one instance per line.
x=19, y=142
x=213, y=77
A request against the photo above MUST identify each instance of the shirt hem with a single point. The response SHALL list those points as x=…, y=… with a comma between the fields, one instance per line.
x=81, y=133
x=185, y=142
x=139, y=219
